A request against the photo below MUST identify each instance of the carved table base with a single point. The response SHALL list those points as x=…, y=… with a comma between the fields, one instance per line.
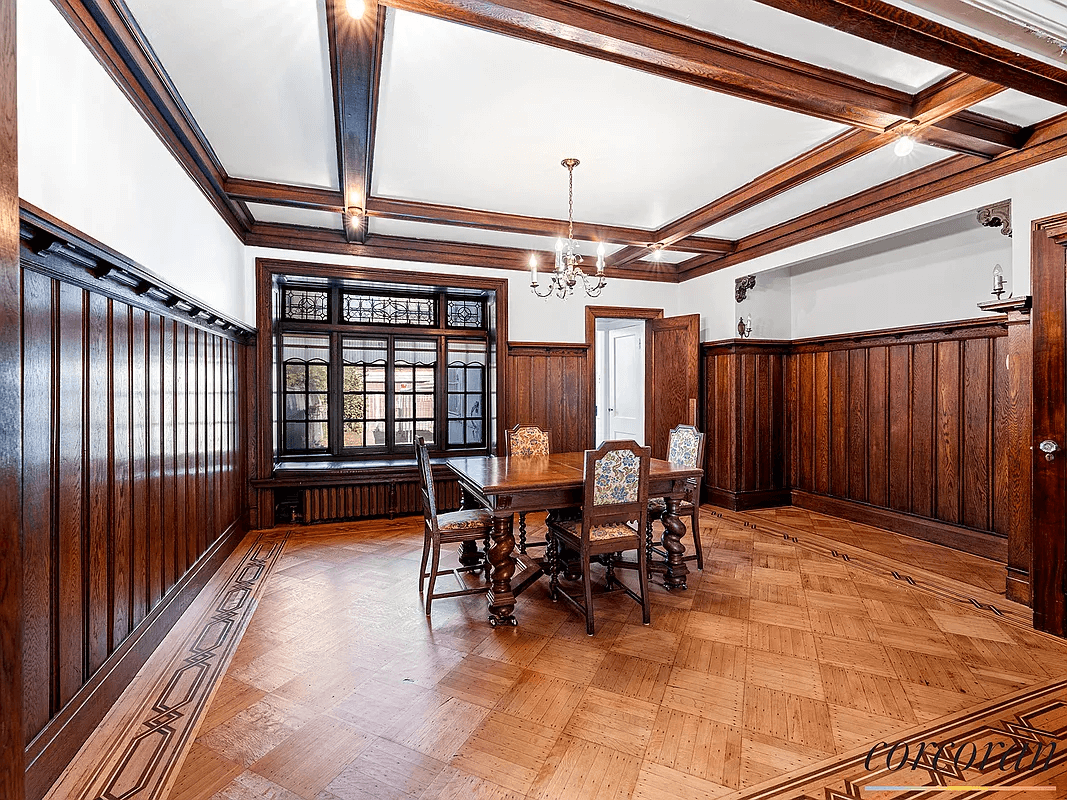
x=501, y=598
x=673, y=531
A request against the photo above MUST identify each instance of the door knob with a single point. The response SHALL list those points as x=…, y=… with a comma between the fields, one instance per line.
x=1049, y=448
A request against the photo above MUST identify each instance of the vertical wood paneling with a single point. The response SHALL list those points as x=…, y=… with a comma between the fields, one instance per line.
x=37, y=507
x=122, y=495
x=139, y=458
x=947, y=426
x=98, y=485
x=168, y=533
x=821, y=443
x=898, y=394
x=155, y=438
x=976, y=456
x=546, y=386
x=922, y=430
x=181, y=388
x=912, y=424
x=838, y=438
x=70, y=462
x=877, y=427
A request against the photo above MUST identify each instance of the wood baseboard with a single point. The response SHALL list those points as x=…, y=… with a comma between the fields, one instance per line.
x=746, y=501
x=1018, y=588
x=53, y=748
x=975, y=542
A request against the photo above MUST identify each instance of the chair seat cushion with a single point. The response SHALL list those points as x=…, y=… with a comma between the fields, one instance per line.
x=598, y=533
x=462, y=520
x=658, y=507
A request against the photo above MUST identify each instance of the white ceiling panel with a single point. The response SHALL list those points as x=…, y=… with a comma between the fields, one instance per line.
x=779, y=32
x=475, y=119
x=256, y=77
x=1018, y=108
x=872, y=169
x=296, y=216
x=669, y=257
x=457, y=233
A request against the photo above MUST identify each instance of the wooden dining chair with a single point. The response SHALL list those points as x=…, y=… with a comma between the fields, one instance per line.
x=685, y=447
x=526, y=441
x=457, y=526
x=614, y=516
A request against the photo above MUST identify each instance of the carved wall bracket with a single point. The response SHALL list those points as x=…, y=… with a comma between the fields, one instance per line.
x=997, y=215
x=742, y=285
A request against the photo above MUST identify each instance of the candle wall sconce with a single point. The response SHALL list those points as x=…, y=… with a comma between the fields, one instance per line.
x=744, y=328
x=998, y=281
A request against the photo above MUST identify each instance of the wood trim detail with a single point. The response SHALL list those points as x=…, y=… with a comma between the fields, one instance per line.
x=997, y=215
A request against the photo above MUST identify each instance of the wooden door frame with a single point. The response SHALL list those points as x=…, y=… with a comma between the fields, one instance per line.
x=12, y=738
x=592, y=314
x=1049, y=516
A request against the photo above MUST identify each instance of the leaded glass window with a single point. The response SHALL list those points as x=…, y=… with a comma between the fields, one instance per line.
x=462, y=312
x=305, y=394
x=372, y=309
x=414, y=368
x=306, y=304
x=364, y=392
x=466, y=393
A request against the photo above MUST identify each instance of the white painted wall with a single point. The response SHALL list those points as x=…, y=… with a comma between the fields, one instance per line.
x=530, y=318
x=935, y=274
x=1035, y=193
x=88, y=158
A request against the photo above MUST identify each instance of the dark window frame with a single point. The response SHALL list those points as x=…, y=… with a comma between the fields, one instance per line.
x=338, y=330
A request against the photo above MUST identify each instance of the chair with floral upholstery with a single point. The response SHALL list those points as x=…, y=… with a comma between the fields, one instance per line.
x=685, y=447
x=614, y=516
x=526, y=441
x=457, y=526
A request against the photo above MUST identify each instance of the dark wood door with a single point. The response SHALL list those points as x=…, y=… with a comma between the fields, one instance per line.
x=673, y=382
x=1050, y=424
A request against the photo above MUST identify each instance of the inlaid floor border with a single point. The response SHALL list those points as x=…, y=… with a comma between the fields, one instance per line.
x=145, y=756
x=1018, y=719
x=884, y=567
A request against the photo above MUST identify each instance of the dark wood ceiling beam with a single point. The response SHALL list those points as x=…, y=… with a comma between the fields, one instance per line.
x=936, y=105
x=437, y=214
x=279, y=194
x=1047, y=141
x=612, y=32
x=974, y=134
x=321, y=240
x=355, y=63
x=902, y=30
x=112, y=35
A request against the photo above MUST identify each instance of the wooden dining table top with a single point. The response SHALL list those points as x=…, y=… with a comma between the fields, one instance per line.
x=509, y=474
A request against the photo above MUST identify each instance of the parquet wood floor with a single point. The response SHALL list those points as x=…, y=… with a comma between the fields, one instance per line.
x=778, y=669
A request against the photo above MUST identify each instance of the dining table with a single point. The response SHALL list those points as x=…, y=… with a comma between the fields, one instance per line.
x=507, y=485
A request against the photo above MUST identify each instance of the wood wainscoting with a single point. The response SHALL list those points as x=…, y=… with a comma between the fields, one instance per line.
x=923, y=430
x=134, y=469
x=548, y=385
x=745, y=424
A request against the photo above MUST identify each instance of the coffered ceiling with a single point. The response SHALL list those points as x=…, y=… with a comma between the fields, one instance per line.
x=708, y=133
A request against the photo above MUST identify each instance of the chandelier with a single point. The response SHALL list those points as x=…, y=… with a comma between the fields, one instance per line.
x=568, y=272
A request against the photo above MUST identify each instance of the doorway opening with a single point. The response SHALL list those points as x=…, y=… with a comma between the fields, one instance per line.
x=620, y=379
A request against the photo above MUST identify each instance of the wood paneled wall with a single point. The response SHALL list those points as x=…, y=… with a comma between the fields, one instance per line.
x=548, y=386
x=904, y=421
x=134, y=474
x=745, y=424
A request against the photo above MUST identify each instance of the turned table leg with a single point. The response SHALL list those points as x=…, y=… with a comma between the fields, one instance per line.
x=500, y=598
x=673, y=531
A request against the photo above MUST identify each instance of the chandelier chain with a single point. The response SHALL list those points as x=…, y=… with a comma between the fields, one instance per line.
x=570, y=202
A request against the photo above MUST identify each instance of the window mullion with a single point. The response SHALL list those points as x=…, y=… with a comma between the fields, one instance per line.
x=334, y=403
x=390, y=395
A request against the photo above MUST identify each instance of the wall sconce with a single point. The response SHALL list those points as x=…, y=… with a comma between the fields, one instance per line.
x=744, y=329
x=998, y=282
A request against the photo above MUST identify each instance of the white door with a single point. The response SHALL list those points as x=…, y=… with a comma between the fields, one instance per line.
x=626, y=382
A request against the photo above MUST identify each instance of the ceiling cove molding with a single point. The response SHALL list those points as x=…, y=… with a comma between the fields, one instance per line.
x=356, y=65
x=902, y=30
x=397, y=248
x=110, y=32
x=1047, y=142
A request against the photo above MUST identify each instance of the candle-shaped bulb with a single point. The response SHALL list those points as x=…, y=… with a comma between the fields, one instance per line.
x=600, y=258
x=998, y=280
x=559, y=255
x=533, y=269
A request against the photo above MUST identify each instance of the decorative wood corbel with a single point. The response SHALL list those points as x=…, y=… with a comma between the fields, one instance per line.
x=997, y=215
x=742, y=285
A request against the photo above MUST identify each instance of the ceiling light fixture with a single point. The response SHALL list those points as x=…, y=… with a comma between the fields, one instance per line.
x=357, y=8
x=568, y=272
x=904, y=146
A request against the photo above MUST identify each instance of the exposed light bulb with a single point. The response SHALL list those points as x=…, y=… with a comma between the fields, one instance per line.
x=357, y=8
x=904, y=146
